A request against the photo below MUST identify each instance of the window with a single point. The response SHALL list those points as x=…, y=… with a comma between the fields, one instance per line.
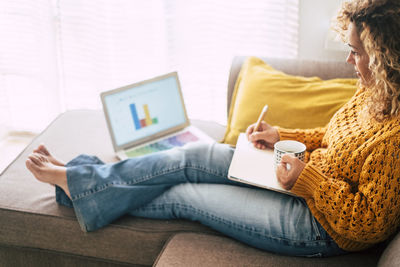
x=60, y=54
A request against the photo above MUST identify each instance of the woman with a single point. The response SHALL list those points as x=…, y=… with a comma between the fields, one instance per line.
x=348, y=190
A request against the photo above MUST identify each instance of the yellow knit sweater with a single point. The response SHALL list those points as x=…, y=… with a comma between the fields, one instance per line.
x=351, y=181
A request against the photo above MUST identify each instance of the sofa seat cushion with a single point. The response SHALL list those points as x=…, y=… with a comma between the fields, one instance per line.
x=194, y=249
x=31, y=218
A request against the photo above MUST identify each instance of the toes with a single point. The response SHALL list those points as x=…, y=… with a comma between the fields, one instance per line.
x=28, y=164
x=36, y=159
x=43, y=150
x=31, y=166
x=41, y=157
x=33, y=159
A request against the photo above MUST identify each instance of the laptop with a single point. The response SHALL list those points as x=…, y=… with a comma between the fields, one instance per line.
x=149, y=116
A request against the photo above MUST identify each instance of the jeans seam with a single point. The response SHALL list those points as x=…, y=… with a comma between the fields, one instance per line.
x=102, y=187
x=172, y=170
x=316, y=229
x=234, y=225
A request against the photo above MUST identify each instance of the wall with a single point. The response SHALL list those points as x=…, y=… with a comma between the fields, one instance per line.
x=315, y=21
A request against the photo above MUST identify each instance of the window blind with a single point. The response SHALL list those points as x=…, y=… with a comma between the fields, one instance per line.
x=29, y=94
x=60, y=54
x=206, y=35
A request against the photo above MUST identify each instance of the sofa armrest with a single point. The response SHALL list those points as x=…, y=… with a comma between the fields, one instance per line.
x=391, y=255
x=211, y=128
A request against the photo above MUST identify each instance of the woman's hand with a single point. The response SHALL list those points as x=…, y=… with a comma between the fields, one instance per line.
x=265, y=137
x=287, y=178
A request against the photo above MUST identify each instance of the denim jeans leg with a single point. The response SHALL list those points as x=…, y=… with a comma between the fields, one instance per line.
x=261, y=218
x=101, y=193
x=61, y=197
x=191, y=183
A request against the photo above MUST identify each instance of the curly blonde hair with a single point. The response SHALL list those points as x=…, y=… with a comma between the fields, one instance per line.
x=378, y=25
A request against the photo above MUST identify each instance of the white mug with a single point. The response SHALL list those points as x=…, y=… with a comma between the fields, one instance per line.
x=291, y=147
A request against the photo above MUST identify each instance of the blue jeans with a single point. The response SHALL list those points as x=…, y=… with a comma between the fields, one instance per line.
x=191, y=183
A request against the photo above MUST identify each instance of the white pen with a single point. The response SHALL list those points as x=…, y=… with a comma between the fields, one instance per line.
x=261, y=118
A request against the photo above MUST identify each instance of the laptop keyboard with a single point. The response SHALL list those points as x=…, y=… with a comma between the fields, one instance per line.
x=168, y=143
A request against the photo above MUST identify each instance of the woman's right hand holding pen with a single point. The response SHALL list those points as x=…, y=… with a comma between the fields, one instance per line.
x=264, y=137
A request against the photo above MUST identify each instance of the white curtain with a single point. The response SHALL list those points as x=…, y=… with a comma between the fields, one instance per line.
x=57, y=55
x=29, y=90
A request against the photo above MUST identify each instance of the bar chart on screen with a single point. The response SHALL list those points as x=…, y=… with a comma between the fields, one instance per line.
x=146, y=121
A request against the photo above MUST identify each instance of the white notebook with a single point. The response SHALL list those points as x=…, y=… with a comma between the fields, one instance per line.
x=254, y=166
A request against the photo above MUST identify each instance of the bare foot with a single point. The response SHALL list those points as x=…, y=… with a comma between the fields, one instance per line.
x=47, y=172
x=45, y=152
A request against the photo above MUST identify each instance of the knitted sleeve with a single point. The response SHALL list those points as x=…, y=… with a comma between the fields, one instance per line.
x=366, y=212
x=312, y=138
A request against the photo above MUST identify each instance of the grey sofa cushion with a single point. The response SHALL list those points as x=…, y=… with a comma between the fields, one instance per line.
x=191, y=249
x=30, y=216
x=23, y=257
x=391, y=255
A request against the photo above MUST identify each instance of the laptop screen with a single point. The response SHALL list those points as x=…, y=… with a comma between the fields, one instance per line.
x=144, y=109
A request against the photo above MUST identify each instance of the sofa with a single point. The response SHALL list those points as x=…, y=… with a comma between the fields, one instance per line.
x=36, y=231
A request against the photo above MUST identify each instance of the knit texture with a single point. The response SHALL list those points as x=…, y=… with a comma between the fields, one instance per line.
x=351, y=181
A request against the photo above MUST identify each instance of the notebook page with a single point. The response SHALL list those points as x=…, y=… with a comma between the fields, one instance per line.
x=254, y=166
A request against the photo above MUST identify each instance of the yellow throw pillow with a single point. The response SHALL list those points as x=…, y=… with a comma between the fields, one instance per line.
x=294, y=101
